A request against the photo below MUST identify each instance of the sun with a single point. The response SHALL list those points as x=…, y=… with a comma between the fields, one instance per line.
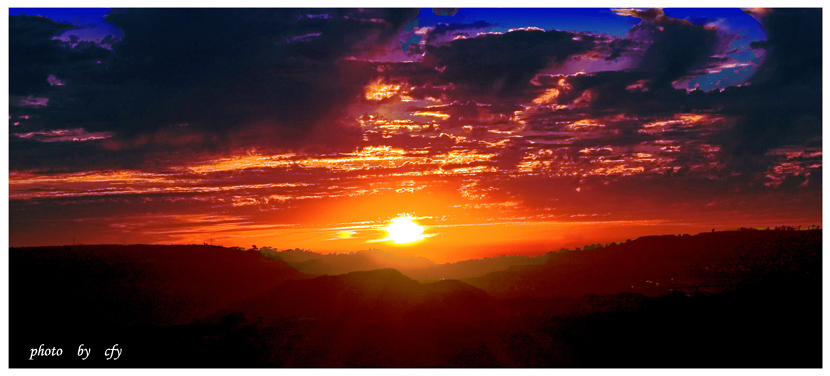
x=403, y=230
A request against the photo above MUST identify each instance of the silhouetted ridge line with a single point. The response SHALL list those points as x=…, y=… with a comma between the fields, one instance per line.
x=144, y=284
x=415, y=267
x=654, y=265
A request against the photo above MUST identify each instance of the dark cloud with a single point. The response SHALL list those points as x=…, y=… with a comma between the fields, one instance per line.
x=793, y=47
x=455, y=29
x=676, y=49
x=497, y=68
x=617, y=47
x=769, y=119
x=227, y=74
x=783, y=106
x=652, y=15
x=44, y=74
x=221, y=70
x=502, y=65
x=33, y=53
x=613, y=92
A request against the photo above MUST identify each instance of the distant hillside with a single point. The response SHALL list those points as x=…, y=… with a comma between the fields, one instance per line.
x=414, y=267
x=655, y=265
x=373, y=294
x=342, y=263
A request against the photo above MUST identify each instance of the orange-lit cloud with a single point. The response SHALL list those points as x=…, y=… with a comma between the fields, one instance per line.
x=379, y=90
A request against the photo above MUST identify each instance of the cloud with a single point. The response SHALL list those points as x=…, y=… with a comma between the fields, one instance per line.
x=681, y=53
x=32, y=52
x=500, y=66
x=783, y=106
x=240, y=77
x=793, y=46
x=63, y=135
x=676, y=51
x=185, y=85
x=504, y=63
x=652, y=15
x=227, y=73
x=442, y=33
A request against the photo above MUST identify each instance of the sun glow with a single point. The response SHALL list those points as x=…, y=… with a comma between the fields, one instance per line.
x=403, y=230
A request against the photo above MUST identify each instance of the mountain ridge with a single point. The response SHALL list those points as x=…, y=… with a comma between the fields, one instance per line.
x=413, y=266
x=655, y=265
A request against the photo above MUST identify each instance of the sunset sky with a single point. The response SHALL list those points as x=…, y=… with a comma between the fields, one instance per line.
x=500, y=131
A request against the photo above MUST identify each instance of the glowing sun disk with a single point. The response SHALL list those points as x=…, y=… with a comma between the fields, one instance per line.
x=403, y=230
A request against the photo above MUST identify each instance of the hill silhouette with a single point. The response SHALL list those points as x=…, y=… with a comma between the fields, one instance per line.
x=731, y=299
x=415, y=267
x=342, y=263
x=378, y=294
x=110, y=293
x=655, y=265
x=142, y=284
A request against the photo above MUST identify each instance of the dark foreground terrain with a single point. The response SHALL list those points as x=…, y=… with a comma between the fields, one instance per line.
x=728, y=299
